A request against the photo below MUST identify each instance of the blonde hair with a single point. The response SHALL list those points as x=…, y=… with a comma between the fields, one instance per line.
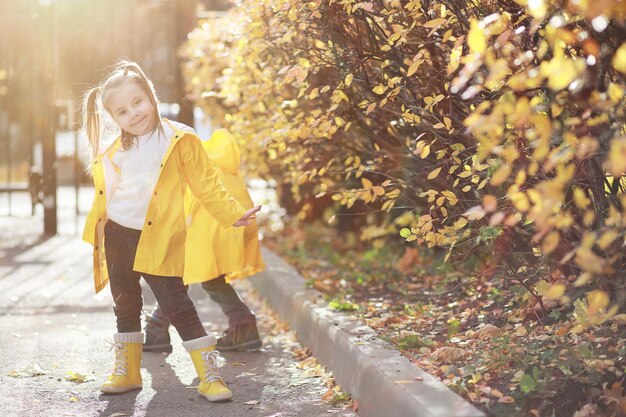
x=94, y=104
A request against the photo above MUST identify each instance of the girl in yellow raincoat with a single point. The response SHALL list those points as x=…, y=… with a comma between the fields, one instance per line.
x=138, y=225
x=210, y=264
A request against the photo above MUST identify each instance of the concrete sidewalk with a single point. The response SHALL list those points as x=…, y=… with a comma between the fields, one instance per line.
x=52, y=323
x=47, y=285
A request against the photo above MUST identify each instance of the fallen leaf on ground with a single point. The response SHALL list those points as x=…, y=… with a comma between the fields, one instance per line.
x=496, y=393
x=253, y=402
x=488, y=330
x=588, y=410
x=30, y=371
x=355, y=406
x=506, y=399
x=521, y=331
x=78, y=377
x=448, y=354
x=403, y=381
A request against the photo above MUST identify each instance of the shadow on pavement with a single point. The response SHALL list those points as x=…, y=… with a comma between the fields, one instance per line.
x=120, y=404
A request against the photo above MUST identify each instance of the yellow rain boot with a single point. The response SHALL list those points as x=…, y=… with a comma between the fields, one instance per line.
x=126, y=376
x=204, y=357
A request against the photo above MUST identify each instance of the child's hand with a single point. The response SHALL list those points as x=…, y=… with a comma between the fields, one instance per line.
x=247, y=217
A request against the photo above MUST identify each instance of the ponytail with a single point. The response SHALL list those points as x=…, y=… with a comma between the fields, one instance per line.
x=91, y=120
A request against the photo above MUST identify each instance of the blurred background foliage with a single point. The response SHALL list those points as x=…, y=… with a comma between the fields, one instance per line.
x=53, y=50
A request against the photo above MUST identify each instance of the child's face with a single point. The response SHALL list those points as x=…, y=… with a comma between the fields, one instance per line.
x=131, y=108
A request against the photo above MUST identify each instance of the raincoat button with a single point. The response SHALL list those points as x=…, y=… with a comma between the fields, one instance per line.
x=161, y=165
x=149, y=223
x=95, y=162
x=101, y=192
x=96, y=248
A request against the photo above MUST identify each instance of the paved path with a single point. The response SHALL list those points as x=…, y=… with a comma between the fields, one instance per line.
x=51, y=319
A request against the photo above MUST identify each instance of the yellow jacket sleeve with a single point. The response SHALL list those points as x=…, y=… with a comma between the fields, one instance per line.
x=205, y=184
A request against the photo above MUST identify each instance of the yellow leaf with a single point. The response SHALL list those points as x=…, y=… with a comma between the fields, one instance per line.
x=490, y=203
x=566, y=74
x=547, y=290
x=378, y=190
x=617, y=156
x=606, y=239
x=380, y=89
x=520, y=201
x=304, y=63
x=580, y=198
x=475, y=213
x=619, y=59
x=550, y=242
x=589, y=261
x=419, y=147
x=425, y=152
x=459, y=224
x=582, y=279
x=598, y=300
x=366, y=183
x=616, y=93
x=455, y=59
x=433, y=174
x=619, y=318
x=413, y=68
x=435, y=23
x=476, y=38
x=314, y=93
x=348, y=80
x=331, y=219
x=501, y=175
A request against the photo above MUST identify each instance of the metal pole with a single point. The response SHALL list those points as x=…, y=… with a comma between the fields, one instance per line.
x=6, y=120
x=76, y=171
x=48, y=118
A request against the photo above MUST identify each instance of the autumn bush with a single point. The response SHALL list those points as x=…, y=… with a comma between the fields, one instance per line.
x=483, y=127
x=455, y=124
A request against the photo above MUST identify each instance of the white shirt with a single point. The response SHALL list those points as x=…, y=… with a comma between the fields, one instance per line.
x=139, y=171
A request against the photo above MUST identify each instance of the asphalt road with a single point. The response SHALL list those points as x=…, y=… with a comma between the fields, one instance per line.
x=52, y=323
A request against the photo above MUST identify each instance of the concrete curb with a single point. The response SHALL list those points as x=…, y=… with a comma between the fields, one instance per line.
x=362, y=364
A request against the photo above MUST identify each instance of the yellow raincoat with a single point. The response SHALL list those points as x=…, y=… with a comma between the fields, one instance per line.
x=214, y=250
x=163, y=243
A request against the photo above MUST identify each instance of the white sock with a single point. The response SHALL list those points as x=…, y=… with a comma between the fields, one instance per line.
x=200, y=343
x=132, y=337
